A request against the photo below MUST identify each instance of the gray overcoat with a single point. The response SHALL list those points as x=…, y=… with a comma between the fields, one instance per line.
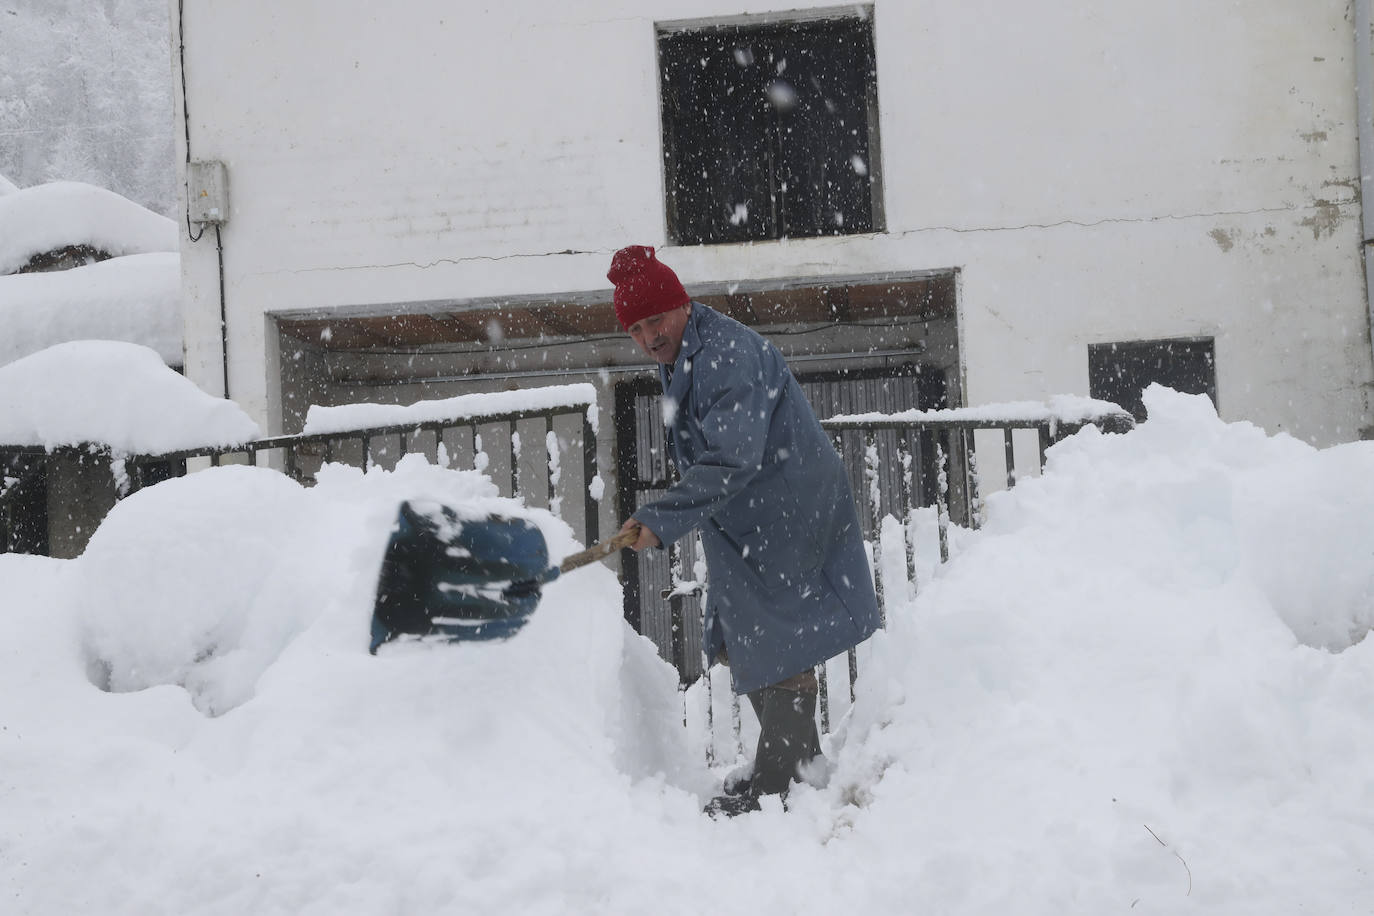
x=789, y=583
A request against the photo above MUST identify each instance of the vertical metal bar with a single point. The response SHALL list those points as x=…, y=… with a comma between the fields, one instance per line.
x=710, y=722
x=476, y=449
x=551, y=450
x=735, y=723
x=1011, y=457
x=823, y=698
x=975, y=510
x=593, y=520
x=870, y=441
x=367, y=451
x=853, y=671
x=514, y=460
x=291, y=469
x=402, y=444
x=214, y=459
x=328, y=451
x=942, y=496
x=910, y=467
x=1044, y=431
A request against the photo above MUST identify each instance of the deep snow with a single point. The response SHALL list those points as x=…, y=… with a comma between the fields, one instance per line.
x=1140, y=687
x=60, y=213
x=135, y=299
x=117, y=394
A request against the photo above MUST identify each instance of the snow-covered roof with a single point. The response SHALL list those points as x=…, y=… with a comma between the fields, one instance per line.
x=62, y=213
x=136, y=299
x=112, y=393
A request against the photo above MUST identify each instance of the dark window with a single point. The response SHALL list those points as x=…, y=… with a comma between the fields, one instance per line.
x=770, y=131
x=1120, y=372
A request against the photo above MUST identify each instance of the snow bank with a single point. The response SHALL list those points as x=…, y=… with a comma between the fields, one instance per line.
x=7, y=186
x=136, y=299
x=347, y=417
x=118, y=394
x=1120, y=695
x=61, y=213
x=1111, y=700
x=450, y=765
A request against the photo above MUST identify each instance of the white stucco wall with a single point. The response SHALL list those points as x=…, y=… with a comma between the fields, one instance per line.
x=1098, y=172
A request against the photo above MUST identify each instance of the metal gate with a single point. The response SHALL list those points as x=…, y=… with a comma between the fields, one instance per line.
x=663, y=588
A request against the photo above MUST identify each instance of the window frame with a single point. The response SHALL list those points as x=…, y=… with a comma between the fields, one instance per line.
x=771, y=26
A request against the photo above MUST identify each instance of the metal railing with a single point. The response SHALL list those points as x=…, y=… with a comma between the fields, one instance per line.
x=488, y=442
x=935, y=460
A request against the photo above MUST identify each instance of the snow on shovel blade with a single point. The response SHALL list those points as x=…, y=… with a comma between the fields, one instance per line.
x=458, y=579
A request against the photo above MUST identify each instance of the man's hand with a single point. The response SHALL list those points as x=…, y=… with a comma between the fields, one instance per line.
x=646, y=537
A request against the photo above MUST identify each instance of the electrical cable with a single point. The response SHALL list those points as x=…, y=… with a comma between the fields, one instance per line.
x=186, y=120
x=223, y=312
x=196, y=236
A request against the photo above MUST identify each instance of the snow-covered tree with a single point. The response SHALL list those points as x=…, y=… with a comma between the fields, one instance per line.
x=86, y=95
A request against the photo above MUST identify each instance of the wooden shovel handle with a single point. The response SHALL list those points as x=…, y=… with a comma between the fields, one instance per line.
x=600, y=550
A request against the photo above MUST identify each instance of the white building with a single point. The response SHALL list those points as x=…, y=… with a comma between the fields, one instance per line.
x=1013, y=200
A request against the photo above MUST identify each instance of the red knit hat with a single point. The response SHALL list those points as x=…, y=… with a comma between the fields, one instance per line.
x=644, y=285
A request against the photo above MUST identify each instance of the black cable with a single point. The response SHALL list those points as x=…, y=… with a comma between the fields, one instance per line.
x=186, y=115
x=223, y=312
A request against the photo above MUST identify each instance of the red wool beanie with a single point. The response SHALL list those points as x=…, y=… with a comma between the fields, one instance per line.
x=644, y=286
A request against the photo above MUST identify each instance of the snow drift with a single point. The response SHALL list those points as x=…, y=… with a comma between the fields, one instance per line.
x=135, y=299
x=1142, y=687
x=117, y=394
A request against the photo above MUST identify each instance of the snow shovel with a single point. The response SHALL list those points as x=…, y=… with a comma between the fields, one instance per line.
x=456, y=580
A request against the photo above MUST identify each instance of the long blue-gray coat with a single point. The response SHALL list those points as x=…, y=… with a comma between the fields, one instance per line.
x=789, y=583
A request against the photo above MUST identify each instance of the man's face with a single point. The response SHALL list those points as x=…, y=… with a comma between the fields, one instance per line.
x=660, y=336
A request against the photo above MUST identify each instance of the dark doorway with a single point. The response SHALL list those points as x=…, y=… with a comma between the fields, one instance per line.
x=1120, y=372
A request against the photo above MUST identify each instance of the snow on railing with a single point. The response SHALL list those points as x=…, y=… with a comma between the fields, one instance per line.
x=917, y=475
x=448, y=431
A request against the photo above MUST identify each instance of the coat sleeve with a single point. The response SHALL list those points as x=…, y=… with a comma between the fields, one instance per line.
x=734, y=407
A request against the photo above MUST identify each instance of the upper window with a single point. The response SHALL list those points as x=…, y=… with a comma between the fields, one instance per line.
x=770, y=130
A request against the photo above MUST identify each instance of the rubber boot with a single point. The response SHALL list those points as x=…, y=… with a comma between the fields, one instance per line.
x=787, y=740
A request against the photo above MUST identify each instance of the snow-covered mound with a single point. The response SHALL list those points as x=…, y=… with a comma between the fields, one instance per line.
x=136, y=299
x=117, y=394
x=61, y=213
x=7, y=186
x=1120, y=696
x=1140, y=688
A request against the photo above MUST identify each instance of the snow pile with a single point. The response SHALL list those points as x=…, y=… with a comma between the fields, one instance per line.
x=61, y=213
x=136, y=299
x=1111, y=700
x=116, y=394
x=7, y=186
x=424, y=779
